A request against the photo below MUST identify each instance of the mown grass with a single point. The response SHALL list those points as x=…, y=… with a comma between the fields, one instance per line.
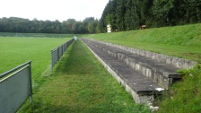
x=180, y=41
x=80, y=84
x=15, y=51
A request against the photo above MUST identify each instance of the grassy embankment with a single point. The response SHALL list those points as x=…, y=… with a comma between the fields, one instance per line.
x=179, y=41
x=80, y=84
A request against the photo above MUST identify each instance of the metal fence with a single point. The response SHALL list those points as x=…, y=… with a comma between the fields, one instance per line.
x=59, y=51
x=15, y=88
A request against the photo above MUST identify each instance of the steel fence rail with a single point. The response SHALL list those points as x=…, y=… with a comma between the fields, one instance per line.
x=59, y=51
x=14, y=69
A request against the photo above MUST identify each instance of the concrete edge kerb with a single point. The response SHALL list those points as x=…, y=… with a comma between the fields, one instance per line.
x=177, y=62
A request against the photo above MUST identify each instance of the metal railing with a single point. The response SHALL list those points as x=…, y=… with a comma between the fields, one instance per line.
x=15, y=88
x=59, y=51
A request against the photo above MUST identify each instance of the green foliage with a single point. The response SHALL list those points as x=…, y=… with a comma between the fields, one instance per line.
x=131, y=14
x=121, y=14
x=92, y=26
x=184, y=96
x=20, y=25
x=161, y=11
x=190, y=72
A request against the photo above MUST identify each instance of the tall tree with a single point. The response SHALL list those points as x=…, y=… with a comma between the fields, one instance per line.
x=120, y=11
x=92, y=26
x=161, y=11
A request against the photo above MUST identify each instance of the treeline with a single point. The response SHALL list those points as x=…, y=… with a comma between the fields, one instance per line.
x=70, y=26
x=131, y=14
x=121, y=14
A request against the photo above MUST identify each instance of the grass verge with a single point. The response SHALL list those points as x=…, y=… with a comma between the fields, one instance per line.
x=80, y=84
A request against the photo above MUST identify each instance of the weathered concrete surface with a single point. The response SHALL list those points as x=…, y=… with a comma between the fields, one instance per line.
x=140, y=87
x=161, y=73
x=177, y=62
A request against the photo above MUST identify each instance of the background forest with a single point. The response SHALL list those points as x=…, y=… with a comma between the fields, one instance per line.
x=121, y=14
x=70, y=26
x=131, y=14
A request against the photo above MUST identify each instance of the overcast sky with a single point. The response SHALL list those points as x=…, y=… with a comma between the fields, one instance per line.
x=52, y=9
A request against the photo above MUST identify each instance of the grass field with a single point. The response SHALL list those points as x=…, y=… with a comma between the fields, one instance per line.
x=15, y=51
x=80, y=84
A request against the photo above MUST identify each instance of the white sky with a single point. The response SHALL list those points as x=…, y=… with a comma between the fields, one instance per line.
x=52, y=9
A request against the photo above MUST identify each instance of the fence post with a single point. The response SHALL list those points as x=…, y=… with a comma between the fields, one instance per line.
x=52, y=58
x=30, y=79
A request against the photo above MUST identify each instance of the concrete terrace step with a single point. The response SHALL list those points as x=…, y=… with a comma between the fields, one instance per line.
x=174, y=61
x=142, y=89
x=161, y=73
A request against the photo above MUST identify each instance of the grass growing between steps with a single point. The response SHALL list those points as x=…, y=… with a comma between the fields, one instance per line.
x=80, y=84
x=184, y=96
x=180, y=41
